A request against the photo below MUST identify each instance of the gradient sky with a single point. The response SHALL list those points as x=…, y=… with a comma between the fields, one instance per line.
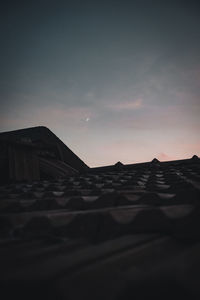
x=115, y=80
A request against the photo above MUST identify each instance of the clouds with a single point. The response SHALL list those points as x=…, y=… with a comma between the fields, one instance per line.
x=127, y=105
x=164, y=157
x=52, y=116
x=131, y=69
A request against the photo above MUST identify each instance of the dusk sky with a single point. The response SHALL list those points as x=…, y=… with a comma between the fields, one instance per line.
x=114, y=80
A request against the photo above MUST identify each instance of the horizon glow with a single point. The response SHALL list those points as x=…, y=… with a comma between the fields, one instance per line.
x=115, y=81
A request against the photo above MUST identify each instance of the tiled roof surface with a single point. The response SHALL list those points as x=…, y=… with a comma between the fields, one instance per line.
x=117, y=232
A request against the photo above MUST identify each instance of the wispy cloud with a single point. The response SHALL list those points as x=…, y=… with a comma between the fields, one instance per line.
x=51, y=115
x=163, y=156
x=127, y=105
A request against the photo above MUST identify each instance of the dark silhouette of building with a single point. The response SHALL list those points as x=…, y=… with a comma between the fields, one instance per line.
x=36, y=153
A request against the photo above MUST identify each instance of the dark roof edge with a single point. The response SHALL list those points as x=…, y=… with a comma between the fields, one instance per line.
x=142, y=164
x=22, y=129
x=66, y=146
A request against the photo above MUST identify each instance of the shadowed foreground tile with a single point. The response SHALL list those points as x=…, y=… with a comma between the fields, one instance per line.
x=150, y=198
x=14, y=207
x=44, y=204
x=38, y=227
x=6, y=227
x=109, y=277
x=153, y=220
x=17, y=289
x=188, y=228
x=75, y=203
x=81, y=225
x=159, y=287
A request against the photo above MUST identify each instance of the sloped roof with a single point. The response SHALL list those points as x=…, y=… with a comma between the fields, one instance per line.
x=121, y=232
x=42, y=136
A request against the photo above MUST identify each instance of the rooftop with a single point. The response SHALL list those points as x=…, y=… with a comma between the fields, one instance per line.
x=115, y=232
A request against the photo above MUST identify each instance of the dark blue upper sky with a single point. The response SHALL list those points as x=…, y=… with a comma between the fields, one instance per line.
x=115, y=80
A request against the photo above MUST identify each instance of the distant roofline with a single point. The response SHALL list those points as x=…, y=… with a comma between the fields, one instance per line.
x=106, y=166
x=144, y=163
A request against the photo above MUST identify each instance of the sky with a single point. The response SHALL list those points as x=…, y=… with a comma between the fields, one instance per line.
x=114, y=80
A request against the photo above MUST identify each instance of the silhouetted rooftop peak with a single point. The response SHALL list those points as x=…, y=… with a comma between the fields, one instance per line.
x=119, y=165
x=195, y=157
x=155, y=161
